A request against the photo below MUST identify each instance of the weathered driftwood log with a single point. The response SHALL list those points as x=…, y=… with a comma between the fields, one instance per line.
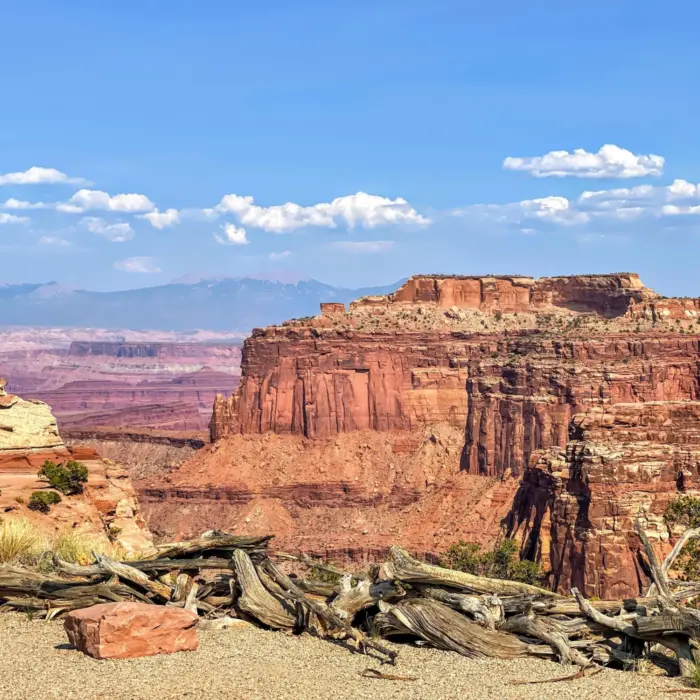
x=403, y=567
x=678, y=548
x=487, y=610
x=71, y=569
x=546, y=631
x=445, y=628
x=256, y=600
x=49, y=605
x=685, y=622
x=351, y=599
x=319, y=588
x=183, y=584
x=621, y=623
x=325, y=613
x=204, y=544
x=191, y=599
x=128, y=573
x=627, y=625
x=661, y=585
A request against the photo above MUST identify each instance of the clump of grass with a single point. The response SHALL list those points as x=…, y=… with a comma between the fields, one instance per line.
x=78, y=547
x=75, y=547
x=695, y=676
x=21, y=542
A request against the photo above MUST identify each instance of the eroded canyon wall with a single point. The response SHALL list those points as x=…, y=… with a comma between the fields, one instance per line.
x=156, y=384
x=623, y=462
x=509, y=364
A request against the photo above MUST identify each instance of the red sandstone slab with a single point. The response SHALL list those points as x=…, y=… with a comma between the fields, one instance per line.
x=131, y=630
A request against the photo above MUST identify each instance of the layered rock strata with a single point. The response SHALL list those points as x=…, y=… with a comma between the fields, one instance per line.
x=509, y=364
x=163, y=385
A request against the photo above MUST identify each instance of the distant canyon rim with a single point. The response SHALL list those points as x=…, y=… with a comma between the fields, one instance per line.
x=555, y=410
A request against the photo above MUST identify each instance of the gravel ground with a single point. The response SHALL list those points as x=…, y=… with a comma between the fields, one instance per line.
x=36, y=663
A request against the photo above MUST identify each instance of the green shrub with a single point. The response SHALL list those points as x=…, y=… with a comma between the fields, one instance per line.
x=43, y=500
x=503, y=562
x=67, y=478
x=685, y=511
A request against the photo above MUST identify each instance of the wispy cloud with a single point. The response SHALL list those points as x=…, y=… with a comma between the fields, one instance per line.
x=12, y=219
x=610, y=161
x=54, y=241
x=363, y=246
x=138, y=264
x=279, y=256
x=117, y=233
x=19, y=204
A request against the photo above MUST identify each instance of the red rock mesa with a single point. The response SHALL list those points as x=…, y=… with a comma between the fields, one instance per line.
x=429, y=414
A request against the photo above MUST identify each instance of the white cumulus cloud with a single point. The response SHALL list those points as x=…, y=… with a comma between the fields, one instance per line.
x=85, y=200
x=39, y=176
x=359, y=209
x=363, y=246
x=279, y=256
x=117, y=233
x=610, y=161
x=137, y=264
x=232, y=235
x=162, y=219
x=12, y=219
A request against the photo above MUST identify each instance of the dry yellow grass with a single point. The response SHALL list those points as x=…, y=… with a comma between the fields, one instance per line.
x=21, y=542
x=77, y=547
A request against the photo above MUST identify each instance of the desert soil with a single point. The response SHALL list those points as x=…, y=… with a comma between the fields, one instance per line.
x=36, y=663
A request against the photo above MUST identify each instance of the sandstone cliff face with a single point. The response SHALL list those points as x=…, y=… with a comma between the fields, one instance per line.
x=28, y=437
x=511, y=364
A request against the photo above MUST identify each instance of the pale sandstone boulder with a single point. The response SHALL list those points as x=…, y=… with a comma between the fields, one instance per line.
x=26, y=425
x=131, y=630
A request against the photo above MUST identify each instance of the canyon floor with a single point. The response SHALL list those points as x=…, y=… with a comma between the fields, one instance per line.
x=254, y=664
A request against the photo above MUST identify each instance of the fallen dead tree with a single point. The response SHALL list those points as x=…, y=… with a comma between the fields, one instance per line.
x=225, y=578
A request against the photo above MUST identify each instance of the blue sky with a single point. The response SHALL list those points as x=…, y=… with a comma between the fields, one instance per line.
x=416, y=104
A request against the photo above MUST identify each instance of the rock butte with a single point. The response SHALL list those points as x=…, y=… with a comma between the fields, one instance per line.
x=107, y=507
x=559, y=408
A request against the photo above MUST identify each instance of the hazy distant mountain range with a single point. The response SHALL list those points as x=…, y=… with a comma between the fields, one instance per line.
x=221, y=305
